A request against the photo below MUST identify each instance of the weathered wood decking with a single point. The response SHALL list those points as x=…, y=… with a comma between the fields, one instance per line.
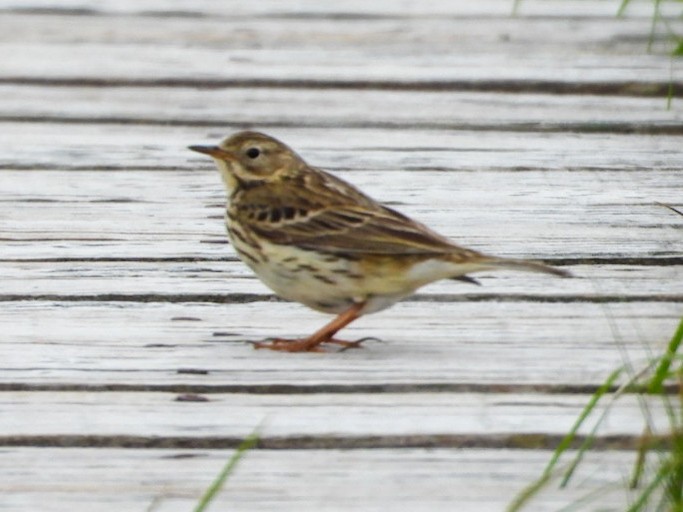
x=125, y=376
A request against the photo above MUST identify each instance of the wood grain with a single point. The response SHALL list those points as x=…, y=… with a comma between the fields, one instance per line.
x=352, y=9
x=151, y=343
x=320, y=415
x=217, y=281
x=271, y=46
x=48, y=146
x=70, y=214
x=173, y=480
x=335, y=108
x=126, y=373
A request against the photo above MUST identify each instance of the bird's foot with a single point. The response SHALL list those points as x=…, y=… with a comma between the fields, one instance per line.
x=308, y=344
x=324, y=335
x=288, y=345
x=345, y=345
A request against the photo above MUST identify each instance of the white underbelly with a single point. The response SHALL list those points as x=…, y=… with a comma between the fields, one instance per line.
x=332, y=284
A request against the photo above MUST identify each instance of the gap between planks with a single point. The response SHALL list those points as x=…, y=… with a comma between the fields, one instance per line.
x=245, y=298
x=526, y=441
x=644, y=261
x=191, y=390
x=331, y=421
x=626, y=127
x=594, y=88
x=398, y=110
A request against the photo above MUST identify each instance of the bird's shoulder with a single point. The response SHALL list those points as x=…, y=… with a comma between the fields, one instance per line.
x=308, y=192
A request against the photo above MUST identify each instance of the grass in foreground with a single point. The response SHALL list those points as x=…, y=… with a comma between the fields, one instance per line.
x=218, y=484
x=675, y=38
x=660, y=483
x=659, y=19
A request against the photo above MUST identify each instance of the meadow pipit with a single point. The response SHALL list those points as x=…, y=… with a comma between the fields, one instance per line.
x=315, y=239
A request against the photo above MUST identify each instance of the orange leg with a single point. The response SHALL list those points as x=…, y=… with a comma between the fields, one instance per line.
x=323, y=335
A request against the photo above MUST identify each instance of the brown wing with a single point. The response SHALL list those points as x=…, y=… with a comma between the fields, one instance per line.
x=354, y=230
x=327, y=214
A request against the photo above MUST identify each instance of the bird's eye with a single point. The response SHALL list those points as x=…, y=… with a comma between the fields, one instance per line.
x=253, y=152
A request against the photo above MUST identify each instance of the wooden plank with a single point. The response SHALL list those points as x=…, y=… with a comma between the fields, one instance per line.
x=189, y=65
x=102, y=147
x=336, y=108
x=452, y=52
x=133, y=343
x=183, y=280
x=605, y=35
x=368, y=480
x=324, y=415
x=97, y=345
x=88, y=214
x=351, y=9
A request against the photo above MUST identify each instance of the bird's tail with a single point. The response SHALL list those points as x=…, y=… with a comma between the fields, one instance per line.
x=525, y=265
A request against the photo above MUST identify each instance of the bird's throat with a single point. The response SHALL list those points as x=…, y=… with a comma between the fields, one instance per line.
x=229, y=179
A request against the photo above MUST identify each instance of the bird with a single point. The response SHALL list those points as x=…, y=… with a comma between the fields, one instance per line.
x=316, y=239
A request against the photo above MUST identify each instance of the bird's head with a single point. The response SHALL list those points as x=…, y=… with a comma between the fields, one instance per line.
x=247, y=158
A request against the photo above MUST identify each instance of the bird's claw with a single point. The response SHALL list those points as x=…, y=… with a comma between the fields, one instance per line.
x=301, y=345
x=346, y=345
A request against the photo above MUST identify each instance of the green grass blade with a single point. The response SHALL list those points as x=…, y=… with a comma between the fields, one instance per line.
x=674, y=485
x=529, y=492
x=622, y=7
x=678, y=51
x=591, y=436
x=246, y=445
x=515, y=7
x=653, y=26
x=664, y=489
x=639, y=504
x=656, y=384
x=583, y=502
x=639, y=466
x=587, y=410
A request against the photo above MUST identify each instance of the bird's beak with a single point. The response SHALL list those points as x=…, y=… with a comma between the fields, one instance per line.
x=213, y=151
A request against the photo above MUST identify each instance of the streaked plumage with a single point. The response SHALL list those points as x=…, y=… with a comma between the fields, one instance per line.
x=315, y=239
